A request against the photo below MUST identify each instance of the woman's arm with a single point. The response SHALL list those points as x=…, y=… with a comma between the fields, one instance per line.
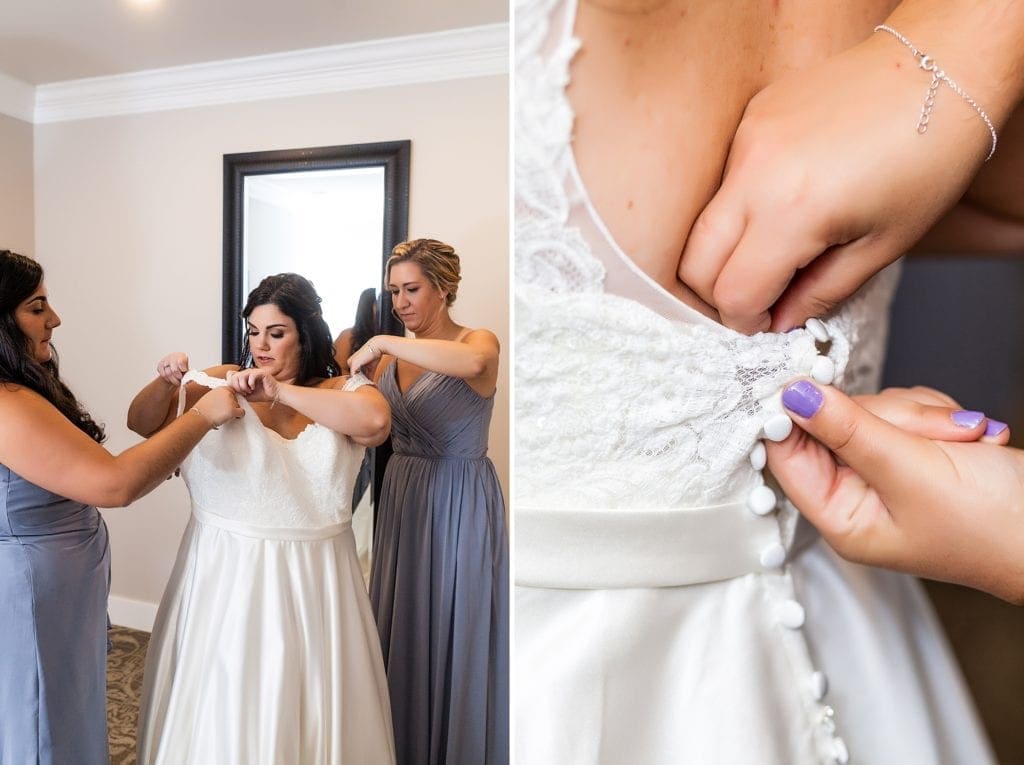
x=343, y=349
x=989, y=220
x=156, y=405
x=474, y=358
x=44, y=447
x=363, y=415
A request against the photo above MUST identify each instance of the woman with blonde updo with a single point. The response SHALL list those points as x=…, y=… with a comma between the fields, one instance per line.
x=439, y=584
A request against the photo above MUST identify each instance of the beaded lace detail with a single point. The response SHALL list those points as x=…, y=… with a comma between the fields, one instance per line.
x=616, y=405
x=247, y=473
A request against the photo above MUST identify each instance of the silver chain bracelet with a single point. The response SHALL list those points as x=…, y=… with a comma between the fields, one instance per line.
x=939, y=76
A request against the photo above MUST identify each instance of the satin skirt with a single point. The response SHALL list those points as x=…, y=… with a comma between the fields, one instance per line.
x=698, y=674
x=264, y=650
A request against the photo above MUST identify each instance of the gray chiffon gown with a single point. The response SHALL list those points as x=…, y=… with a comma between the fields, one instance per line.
x=439, y=582
x=54, y=579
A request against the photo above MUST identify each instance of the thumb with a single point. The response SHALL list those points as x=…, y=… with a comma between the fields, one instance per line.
x=877, y=451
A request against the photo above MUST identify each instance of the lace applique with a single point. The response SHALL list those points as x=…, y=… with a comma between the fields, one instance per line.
x=617, y=406
x=549, y=253
x=248, y=473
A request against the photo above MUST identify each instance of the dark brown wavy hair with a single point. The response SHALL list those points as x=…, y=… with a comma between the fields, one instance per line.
x=20, y=276
x=297, y=299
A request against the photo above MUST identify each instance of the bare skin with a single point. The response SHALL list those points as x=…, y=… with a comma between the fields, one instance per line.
x=659, y=89
x=440, y=345
x=282, y=405
x=40, y=444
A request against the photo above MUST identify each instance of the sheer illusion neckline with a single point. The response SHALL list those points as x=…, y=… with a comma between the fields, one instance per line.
x=566, y=36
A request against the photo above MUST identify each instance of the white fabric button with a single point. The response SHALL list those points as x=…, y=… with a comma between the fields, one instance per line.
x=819, y=685
x=791, y=614
x=823, y=370
x=817, y=328
x=761, y=500
x=776, y=428
x=773, y=556
x=758, y=456
x=840, y=753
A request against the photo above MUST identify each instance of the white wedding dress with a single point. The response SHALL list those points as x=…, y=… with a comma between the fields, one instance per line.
x=666, y=611
x=264, y=649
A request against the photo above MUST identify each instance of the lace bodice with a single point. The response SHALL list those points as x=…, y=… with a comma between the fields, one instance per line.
x=625, y=402
x=248, y=473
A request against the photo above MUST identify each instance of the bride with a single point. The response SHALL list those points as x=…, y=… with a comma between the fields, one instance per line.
x=264, y=648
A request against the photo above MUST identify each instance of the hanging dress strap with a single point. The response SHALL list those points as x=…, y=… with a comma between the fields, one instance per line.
x=200, y=378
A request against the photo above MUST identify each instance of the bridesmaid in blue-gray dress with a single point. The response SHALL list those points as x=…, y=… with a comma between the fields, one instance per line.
x=54, y=554
x=439, y=583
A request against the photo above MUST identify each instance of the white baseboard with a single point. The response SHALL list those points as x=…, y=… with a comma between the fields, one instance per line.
x=136, y=614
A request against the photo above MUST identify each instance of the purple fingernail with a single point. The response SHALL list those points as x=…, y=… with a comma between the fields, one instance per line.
x=995, y=427
x=967, y=419
x=802, y=398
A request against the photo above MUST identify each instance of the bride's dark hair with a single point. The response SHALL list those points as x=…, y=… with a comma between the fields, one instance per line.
x=20, y=276
x=297, y=299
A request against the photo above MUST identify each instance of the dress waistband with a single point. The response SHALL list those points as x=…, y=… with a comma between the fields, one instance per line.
x=446, y=457
x=610, y=549
x=266, y=532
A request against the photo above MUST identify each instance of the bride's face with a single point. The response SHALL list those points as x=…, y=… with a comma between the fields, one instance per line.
x=274, y=341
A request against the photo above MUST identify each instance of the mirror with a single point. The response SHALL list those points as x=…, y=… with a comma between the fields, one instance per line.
x=332, y=214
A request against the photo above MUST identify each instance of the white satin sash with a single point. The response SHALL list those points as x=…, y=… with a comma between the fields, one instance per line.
x=610, y=549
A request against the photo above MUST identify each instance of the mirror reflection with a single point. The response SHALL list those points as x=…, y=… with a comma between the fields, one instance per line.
x=331, y=214
x=326, y=225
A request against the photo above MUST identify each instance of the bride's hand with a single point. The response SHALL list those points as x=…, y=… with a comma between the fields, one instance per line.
x=172, y=367
x=255, y=384
x=824, y=187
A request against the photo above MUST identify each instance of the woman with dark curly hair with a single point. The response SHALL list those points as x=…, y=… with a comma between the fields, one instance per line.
x=54, y=553
x=264, y=647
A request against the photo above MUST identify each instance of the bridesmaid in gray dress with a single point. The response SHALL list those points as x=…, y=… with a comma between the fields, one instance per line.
x=439, y=584
x=54, y=554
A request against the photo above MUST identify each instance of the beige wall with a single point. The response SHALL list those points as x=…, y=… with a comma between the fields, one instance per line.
x=128, y=226
x=16, y=224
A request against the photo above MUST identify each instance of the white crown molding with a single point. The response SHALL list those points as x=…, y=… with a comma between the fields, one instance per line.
x=17, y=98
x=449, y=55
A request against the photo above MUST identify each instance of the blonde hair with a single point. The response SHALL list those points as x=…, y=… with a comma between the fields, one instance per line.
x=438, y=261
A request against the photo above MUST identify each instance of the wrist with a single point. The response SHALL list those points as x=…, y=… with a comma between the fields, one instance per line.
x=380, y=345
x=978, y=46
x=211, y=425
x=283, y=395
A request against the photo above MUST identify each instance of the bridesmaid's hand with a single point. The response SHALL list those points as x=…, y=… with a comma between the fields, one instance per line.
x=886, y=496
x=255, y=384
x=172, y=367
x=366, y=356
x=219, y=406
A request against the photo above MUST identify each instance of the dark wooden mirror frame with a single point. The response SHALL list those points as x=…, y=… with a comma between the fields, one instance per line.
x=393, y=156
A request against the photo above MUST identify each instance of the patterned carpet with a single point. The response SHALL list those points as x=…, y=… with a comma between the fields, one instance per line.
x=125, y=663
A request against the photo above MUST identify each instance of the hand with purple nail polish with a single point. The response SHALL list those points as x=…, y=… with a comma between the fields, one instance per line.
x=907, y=479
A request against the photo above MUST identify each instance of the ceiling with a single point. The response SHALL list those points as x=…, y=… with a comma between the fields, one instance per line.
x=45, y=41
